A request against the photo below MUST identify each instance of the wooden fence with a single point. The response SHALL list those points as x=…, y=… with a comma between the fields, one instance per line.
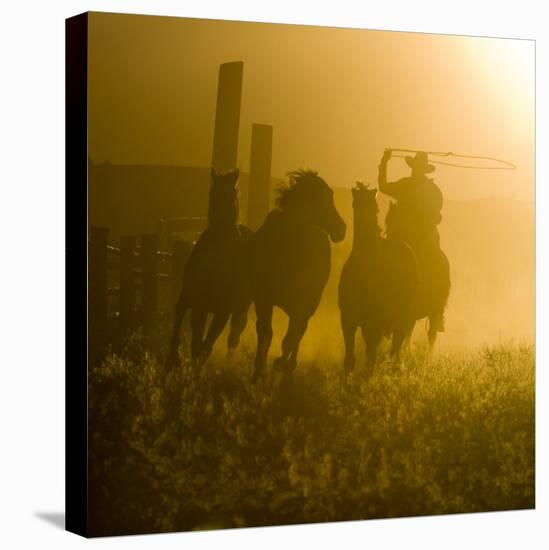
x=142, y=267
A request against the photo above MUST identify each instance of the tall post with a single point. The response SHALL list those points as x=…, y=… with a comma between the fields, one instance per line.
x=149, y=301
x=98, y=298
x=227, y=116
x=259, y=187
x=127, y=282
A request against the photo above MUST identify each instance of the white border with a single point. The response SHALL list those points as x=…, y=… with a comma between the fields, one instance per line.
x=32, y=275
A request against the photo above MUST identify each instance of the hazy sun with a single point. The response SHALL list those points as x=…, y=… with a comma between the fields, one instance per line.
x=510, y=61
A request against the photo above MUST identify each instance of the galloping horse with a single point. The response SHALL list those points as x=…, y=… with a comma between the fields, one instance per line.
x=290, y=260
x=378, y=284
x=434, y=275
x=215, y=279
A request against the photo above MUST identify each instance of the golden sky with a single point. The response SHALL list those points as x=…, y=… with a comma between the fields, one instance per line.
x=335, y=97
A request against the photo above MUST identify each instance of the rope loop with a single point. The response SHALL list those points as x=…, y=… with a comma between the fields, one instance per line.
x=504, y=165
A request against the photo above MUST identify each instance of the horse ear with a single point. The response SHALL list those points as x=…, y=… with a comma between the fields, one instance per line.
x=213, y=173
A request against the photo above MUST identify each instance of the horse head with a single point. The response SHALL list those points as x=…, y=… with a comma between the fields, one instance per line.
x=311, y=199
x=223, y=200
x=364, y=199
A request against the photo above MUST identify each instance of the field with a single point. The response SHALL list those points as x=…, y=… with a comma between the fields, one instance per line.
x=183, y=450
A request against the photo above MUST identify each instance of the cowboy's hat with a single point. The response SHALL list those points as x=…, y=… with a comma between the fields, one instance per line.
x=420, y=162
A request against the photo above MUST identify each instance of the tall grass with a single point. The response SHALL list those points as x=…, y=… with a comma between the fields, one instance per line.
x=184, y=450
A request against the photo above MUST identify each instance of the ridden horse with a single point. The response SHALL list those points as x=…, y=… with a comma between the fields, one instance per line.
x=214, y=278
x=433, y=269
x=290, y=260
x=377, y=285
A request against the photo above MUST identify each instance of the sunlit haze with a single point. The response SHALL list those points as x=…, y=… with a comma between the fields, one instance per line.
x=335, y=97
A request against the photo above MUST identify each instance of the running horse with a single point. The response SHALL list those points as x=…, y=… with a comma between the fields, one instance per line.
x=290, y=259
x=215, y=280
x=378, y=284
x=434, y=284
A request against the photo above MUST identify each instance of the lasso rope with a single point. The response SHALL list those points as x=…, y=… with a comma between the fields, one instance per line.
x=505, y=165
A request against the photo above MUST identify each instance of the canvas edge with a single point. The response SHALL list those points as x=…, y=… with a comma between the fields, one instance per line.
x=76, y=360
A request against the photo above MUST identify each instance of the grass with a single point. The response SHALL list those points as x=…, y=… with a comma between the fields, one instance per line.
x=180, y=450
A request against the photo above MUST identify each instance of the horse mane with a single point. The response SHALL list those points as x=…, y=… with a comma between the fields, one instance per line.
x=369, y=222
x=291, y=191
x=375, y=227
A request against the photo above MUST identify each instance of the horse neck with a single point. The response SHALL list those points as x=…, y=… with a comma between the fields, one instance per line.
x=223, y=218
x=365, y=228
x=296, y=215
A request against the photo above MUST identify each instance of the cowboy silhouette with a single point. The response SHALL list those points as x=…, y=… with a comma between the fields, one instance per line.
x=414, y=219
x=416, y=214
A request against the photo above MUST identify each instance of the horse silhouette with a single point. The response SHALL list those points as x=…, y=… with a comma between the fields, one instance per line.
x=378, y=284
x=214, y=278
x=290, y=259
x=434, y=274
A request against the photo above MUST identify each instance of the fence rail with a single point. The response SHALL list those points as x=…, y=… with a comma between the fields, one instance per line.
x=139, y=279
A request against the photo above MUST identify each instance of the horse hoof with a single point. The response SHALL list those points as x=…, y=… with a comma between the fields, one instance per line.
x=278, y=364
x=286, y=380
x=369, y=372
x=348, y=368
x=282, y=365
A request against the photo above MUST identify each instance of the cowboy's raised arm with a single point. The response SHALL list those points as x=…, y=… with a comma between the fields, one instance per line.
x=386, y=187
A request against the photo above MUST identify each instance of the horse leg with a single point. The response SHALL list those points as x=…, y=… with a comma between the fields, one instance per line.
x=180, y=309
x=371, y=337
x=264, y=314
x=401, y=338
x=441, y=292
x=431, y=335
x=436, y=325
x=238, y=324
x=398, y=338
x=216, y=327
x=349, y=333
x=198, y=322
x=409, y=333
x=290, y=344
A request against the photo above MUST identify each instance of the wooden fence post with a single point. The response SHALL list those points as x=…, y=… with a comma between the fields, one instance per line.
x=227, y=116
x=259, y=187
x=98, y=299
x=127, y=282
x=149, y=303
